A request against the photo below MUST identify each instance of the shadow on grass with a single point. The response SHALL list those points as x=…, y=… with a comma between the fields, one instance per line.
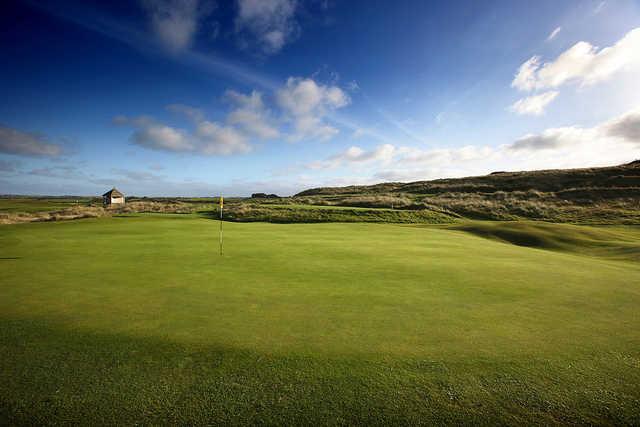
x=54, y=374
x=601, y=242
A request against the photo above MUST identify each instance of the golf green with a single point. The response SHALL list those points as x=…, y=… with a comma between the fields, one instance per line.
x=138, y=319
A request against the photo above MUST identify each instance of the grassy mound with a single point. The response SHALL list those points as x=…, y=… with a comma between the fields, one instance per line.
x=610, y=242
x=299, y=213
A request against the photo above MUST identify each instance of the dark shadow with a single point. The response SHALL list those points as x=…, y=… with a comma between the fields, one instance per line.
x=67, y=375
x=11, y=257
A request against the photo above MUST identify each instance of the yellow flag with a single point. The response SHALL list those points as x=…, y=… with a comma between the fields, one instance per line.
x=221, y=202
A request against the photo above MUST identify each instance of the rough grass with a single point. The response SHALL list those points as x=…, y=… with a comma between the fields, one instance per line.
x=43, y=210
x=608, y=195
x=75, y=212
x=293, y=213
x=138, y=320
x=25, y=204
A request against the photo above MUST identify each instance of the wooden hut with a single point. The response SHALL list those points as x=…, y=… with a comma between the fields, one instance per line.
x=112, y=197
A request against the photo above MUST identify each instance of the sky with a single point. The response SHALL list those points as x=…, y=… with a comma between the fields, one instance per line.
x=201, y=98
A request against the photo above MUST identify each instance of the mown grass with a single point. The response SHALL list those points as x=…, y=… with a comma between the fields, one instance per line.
x=127, y=320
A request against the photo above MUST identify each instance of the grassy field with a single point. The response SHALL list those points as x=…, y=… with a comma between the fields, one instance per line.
x=37, y=204
x=137, y=319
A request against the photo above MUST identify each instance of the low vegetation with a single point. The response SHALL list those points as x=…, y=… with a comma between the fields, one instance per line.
x=609, y=195
x=300, y=213
x=39, y=210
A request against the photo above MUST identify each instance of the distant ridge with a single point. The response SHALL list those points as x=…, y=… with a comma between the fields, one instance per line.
x=625, y=176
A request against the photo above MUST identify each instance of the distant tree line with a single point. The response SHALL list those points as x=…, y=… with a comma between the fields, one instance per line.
x=264, y=196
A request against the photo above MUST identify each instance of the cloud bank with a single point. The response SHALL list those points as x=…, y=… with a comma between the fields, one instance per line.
x=614, y=141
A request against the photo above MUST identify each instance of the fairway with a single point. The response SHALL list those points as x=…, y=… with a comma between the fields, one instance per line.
x=137, y=319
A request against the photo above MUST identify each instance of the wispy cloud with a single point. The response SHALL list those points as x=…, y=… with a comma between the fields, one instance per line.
x=8, y=166
x=554, y=34
x=13, y=141
x=270, y=22
x=176, y=22
x=599, y=7
x=65, y=172
x=355, y=155
x=533, y=105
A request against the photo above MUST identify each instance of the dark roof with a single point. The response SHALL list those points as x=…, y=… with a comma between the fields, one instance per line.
x=113, y=193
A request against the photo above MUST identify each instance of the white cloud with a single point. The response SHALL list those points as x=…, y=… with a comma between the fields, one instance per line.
x=175, y=22
x=621, y=134
x=581, y=63
x=306, y=103
x=251, y=114
x=215, y=139
x=151, y=134
x=13, y=141
x=533, y=105
x=553, y=34
x=208, y=138
x=356, y=155
x=526, y=76
x=614, y=141
x=271, y=22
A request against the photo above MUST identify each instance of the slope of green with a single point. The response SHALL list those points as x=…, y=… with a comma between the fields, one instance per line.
x=138, y=320
x=606, y=242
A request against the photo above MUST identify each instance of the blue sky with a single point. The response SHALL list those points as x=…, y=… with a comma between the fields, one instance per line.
x=198, y=98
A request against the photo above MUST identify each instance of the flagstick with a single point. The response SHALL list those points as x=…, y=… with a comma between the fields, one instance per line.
x=221, y=228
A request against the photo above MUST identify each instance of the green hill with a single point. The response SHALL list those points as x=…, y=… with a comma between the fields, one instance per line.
x=607, y=195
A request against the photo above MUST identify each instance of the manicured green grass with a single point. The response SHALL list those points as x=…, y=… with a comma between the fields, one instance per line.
x=137, y=319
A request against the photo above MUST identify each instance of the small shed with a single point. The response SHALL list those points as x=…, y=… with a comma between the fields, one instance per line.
x=113, y=197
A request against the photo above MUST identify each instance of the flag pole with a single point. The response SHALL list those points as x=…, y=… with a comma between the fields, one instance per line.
x=221, y=207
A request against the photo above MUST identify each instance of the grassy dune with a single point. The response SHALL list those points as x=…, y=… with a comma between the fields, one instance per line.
x=138, y=320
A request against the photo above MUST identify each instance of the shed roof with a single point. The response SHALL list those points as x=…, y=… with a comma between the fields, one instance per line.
x=113, y=193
